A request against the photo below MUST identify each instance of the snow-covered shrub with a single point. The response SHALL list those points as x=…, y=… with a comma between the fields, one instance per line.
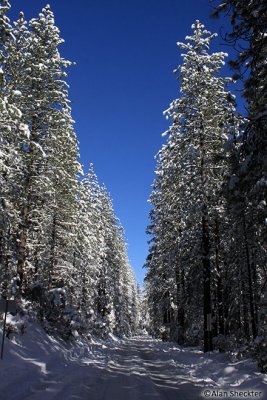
x=15, y=324
x=58, y=315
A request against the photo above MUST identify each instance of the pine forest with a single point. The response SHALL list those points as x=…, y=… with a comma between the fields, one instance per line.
x=62, y=247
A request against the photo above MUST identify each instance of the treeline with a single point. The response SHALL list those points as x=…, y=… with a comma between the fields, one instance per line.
x=62, y=249
x=206, y=279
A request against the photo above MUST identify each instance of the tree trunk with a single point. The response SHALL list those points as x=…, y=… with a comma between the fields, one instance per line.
x=220, y=309
x=22, y=251
x=23, y=239
x=206, y=286
x=52, y=264
x=180, y=306
x=250, y=288
x=207, y=309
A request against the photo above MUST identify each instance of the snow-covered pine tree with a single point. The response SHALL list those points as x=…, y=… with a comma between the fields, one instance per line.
x=47, y=204
x=191, y=173
x=50, y=154
x=105, y=284
x=12, y=137
x=136, y=308
x=161, y=260
x=115, y=296
x=89, y=249
x=124, y=290
x=60, y=148
x=17, y=69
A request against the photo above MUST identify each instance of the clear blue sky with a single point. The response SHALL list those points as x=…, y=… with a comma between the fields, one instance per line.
x=125, y=52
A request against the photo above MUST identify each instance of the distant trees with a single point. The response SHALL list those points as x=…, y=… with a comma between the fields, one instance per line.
x=61, y=245
x=206, y=261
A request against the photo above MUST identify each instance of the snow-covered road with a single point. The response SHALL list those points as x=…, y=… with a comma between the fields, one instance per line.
x=39, y=367
x=139, y=369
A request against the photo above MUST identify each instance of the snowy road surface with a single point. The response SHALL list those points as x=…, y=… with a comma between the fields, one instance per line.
x=38, y=367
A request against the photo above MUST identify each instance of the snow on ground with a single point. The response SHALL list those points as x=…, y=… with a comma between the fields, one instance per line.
x=39, y=367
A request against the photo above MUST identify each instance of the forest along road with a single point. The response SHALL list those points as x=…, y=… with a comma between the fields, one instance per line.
x=133, y=369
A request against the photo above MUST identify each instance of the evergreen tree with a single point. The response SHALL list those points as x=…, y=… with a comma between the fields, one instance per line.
x=50, y=154
x=89, y=247
x=191, y=172
x=12, y=136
